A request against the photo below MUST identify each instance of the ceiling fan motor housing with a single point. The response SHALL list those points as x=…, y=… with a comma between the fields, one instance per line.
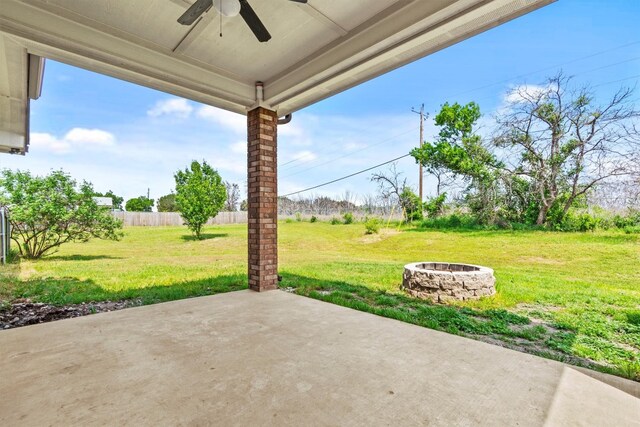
x=227, y=8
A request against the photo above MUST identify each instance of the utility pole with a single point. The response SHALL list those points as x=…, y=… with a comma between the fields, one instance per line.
x=422, y=119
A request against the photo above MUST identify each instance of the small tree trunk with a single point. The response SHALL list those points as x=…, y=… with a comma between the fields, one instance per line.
x=542, y=215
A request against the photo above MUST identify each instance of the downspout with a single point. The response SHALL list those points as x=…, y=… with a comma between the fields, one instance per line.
x=259, y=93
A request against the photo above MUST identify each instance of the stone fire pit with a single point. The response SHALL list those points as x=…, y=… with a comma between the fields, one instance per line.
x=442, y=282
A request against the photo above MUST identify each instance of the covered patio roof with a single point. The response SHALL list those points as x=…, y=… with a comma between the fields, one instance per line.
x=274, y=358
x=317, y=49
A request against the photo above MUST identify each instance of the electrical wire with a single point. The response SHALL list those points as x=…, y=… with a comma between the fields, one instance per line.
x=345, y=177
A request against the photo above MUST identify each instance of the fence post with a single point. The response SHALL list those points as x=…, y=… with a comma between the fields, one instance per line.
x=5, y=235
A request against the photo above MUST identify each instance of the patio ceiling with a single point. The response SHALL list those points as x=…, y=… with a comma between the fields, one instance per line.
x=317, y=49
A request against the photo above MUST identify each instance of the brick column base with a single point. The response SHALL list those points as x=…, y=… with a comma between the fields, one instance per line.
x=263, y=199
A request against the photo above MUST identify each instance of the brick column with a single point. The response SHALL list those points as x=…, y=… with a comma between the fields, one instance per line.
x=263, y=199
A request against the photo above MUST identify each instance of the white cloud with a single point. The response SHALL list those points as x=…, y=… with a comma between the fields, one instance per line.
x=521, y=93
x=46, y=141
x=76, y=138
x=232, y=121
x=177, y=107
x=90, y=136
x=239, y=147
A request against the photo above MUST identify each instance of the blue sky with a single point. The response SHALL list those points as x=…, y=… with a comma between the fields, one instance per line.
x=128, y=138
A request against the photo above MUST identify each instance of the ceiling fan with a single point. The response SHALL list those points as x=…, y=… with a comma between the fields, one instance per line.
x=230, y=8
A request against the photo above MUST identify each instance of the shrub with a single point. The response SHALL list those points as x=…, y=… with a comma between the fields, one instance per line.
x=200, y=194
x=139, y=204
x=629, y=220
x=348, y=218
x=632, y=229
x=435, y=205
x=49, y=211
x=334, y=221
x=573, y=221
x=372, y=226
x=453, y=221
x=298, y=217
x=289, y=220
x=313, y=218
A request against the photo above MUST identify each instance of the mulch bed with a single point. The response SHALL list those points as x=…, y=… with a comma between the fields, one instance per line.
x=25, y=312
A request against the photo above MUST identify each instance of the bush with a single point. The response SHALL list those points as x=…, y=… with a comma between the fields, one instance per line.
x=630, y=220
x=298, y=217
x=578, y=222
x=139, y=204
x=372, y=226
x=334, y=221
x=348, y=218
x=49, y=211
x=313, y=218
x=632, y=229
x=453, y=221
x=289, y=220
x=200, y=194
x=435, y=205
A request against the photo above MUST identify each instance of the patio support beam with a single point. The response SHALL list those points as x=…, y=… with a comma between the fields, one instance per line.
x=262, y=181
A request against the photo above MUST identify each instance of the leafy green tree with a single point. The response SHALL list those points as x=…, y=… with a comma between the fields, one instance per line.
x=200, y=194
x=139, y=204
x=461, y=151
x=49, y=211
x=167, y=203
x=116, y=200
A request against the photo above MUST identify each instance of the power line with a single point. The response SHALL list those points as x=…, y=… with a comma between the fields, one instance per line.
x=343, y=156
x=617, y=81
x=549, y=68
x=347, y=176
x=349, y=154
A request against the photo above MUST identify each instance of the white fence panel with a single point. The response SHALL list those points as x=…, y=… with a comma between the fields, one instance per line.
x=159, y=219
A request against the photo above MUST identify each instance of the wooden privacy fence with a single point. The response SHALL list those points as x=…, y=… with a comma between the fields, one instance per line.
x=156, y=219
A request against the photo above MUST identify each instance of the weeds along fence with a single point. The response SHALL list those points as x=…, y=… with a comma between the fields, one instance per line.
x=159, y=219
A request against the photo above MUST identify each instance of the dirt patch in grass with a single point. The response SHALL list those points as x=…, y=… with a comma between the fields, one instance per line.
x=540, y=260
x=25, y=312
x=383, y=234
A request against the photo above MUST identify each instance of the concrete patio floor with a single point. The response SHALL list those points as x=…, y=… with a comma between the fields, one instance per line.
x=245, y=358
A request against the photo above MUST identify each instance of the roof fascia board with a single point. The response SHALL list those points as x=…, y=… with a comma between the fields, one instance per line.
x=345, y=75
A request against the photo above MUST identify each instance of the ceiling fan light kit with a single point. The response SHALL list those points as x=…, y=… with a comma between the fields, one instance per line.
x=227, y=8
x=230, y=8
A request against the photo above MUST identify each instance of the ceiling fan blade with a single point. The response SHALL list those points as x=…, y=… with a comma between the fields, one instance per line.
x=254, y=23
x=194, y=12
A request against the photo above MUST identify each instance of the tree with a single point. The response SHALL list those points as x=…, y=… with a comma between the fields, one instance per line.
x=116, y=200
x=566, y=143
x=139, y=204
x=167, y=203
x=49, y=211
x=461, y=151
x=395, y=191
x=233, y=196
x=200, y=194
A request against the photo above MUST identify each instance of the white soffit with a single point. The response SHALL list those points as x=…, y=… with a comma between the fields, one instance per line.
x=317, y=49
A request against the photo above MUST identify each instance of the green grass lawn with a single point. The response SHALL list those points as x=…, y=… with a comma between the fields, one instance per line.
x=569, y=296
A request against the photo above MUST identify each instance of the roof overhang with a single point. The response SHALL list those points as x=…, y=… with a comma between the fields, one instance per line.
x=20, y=81
x=318, y=49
